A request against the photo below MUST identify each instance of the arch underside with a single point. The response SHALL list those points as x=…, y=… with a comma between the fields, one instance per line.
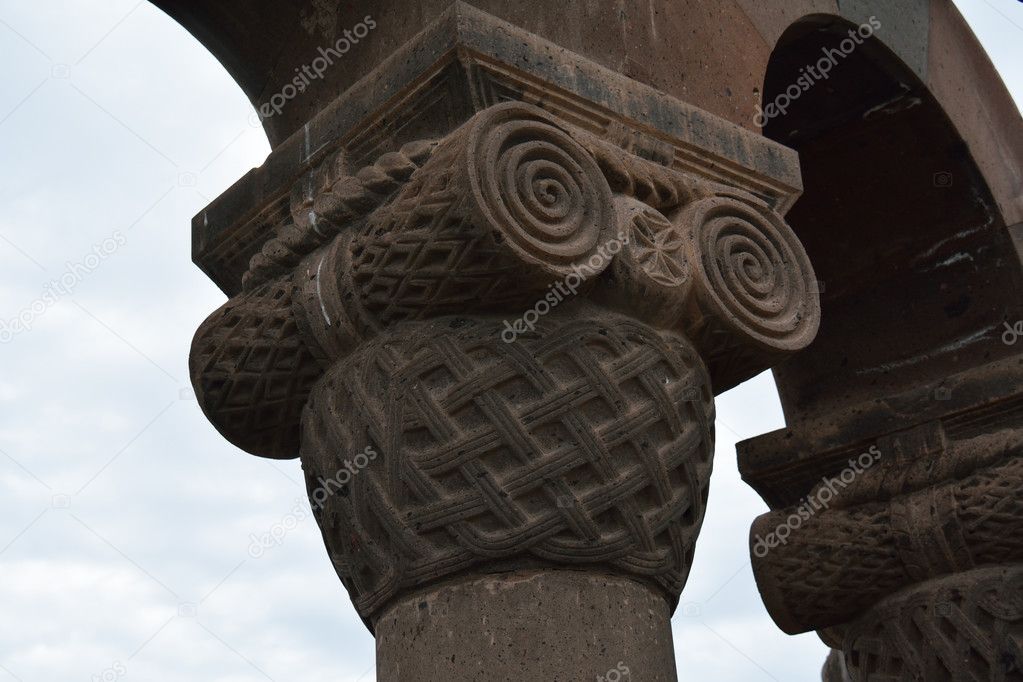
x=905, y=416
x=919, y=272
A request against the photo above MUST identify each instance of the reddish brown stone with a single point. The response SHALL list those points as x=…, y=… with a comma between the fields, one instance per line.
x=466, y=159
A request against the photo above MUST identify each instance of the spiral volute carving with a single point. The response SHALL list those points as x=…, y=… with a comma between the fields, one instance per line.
x=753, y=273
x=538, y=187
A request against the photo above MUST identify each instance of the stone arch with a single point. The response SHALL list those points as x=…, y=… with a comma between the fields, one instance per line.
x=912, y=250
x=910, y=215
x=915, y=247
x=933, y=41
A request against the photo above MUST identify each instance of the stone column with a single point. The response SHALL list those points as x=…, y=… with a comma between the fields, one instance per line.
x=908, y=561
x=495, y=347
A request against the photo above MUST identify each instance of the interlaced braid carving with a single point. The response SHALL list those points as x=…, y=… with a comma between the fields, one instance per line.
x=512, y=214
x=588, y=443
x=378, y=321
x=841, y=561
x=990, y=507
x=252, y=372
x=832, y=566
x=964, y=628
x=325, y=200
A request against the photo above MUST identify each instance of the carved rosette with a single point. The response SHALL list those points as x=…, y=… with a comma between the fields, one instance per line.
x=517, y=321
x=651, y=276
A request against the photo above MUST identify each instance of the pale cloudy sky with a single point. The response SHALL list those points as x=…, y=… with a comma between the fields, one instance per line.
x=124, y=517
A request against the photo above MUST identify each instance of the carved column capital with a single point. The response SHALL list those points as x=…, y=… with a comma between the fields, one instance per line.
x=909, y=557
x=961, y=627
x=499, y=341
x=496, y=346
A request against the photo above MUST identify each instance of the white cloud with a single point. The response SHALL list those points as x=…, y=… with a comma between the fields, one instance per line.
x=160, y=507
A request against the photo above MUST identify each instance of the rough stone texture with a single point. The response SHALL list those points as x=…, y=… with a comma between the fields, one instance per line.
x=396, y=307
x=772, y=19
x=841, y=561
x=687, y=49
x=972, y=94
x=964, y=627
x=835, y=669
x=511, y=208
x=252, y=372
x=905, y=27
x=638, y=39
x=588, y=443
x=910, y=359
x=467, y=159
x=397, y=103
x=586, y=436
x=502, y=626
x=507, y=205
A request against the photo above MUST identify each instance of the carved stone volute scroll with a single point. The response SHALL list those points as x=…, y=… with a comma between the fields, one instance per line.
x=842, y=560
x=908, y=561
x=508, y=205
x=755, y=296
